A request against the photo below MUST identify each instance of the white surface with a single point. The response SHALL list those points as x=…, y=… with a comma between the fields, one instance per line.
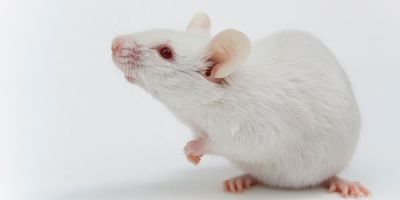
x=72, y=128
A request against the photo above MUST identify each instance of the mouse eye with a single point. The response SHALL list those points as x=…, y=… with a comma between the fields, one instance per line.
x=165, y=52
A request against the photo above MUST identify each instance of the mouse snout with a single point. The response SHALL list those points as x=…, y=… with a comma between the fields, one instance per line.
x=115, y=46
x=124, y=48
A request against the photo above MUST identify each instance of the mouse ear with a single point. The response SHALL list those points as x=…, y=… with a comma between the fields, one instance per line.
x=200, y=23
x=229, y=50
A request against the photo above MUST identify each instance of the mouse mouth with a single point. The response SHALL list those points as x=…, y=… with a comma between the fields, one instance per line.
x=125, y=63
x=127, y=66
x=125, y=59
x=130, y=78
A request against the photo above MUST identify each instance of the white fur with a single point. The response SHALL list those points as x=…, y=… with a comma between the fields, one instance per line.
x=287, y=116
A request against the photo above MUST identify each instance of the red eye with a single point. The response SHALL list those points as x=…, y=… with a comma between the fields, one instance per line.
x=166, y=52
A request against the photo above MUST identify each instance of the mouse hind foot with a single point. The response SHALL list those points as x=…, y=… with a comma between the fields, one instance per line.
x=346, y=188
x=239, y=183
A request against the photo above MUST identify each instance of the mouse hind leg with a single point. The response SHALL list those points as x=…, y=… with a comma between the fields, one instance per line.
x=240, y=183
x=346, y=188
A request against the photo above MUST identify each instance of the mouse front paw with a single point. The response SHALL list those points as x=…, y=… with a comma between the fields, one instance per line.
x=193, y=159
x=194, y=150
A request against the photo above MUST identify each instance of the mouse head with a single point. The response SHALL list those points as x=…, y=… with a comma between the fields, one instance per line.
x=187, y=66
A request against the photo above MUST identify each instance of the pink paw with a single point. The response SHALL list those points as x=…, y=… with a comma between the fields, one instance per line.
x=193, y=159
x=346, y=188
x=194, y=149
x=239, y=183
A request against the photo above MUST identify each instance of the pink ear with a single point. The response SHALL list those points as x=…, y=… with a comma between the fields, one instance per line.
x=200, y=23
x=229, y=50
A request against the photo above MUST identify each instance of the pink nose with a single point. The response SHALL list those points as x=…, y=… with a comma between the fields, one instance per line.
x=123, y=47
x=116, y=46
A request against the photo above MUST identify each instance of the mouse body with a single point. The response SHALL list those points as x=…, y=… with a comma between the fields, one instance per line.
x=281, y=108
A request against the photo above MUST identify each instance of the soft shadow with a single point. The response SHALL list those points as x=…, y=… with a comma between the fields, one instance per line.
x=205, y=183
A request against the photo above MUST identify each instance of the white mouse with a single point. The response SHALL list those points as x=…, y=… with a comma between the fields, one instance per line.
x=281, y=109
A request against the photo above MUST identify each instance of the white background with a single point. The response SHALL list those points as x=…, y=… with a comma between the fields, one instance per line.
x=72, y=128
